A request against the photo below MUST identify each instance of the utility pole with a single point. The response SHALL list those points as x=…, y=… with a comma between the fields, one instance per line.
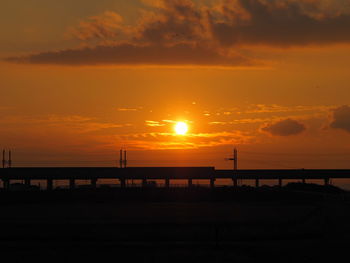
x=121, y=158
x=10, y=160
x=235, y=166
x=234, y=159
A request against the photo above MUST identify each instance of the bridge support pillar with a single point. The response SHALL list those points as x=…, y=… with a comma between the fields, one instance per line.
x=280, y=182
x=6, y=184
x=167, y=183
x=122, y=183
x=49, y=184
x=212, y=183
x=144, y=182
x=257, y=183
x=71, y=184
x=94, y=183
x=190, y=183
x=27, y=182
x=235, y=182
x=326, y=181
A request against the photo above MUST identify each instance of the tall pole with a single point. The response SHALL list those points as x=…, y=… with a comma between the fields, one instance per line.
x=10, y=160
x=125, y=161
x=235, y=166
x=235, y=159
x=3, y=159
x=121, y=158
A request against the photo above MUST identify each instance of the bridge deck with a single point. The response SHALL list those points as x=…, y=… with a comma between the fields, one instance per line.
x=154, y=173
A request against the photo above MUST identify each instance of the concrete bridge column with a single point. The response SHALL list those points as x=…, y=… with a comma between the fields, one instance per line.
x=235, y=182
x=144, y=182
x=167, y=183
x=257, y=183
x=190, y=183
x=6, y=183
x=280, y=182
x=49, y=184
x=122, y=183
x=71, y=184
x=326, y=181
x=212, y=183
x=94, y=183
x=27, y=182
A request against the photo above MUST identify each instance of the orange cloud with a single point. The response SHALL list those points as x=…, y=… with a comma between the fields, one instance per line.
x=181, y=32
x=341, y=118
x=284, y=128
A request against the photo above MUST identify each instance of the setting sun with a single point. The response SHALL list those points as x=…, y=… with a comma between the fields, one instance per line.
x=181, y=128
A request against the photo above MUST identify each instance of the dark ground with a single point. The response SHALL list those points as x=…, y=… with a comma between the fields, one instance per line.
x=299, y=223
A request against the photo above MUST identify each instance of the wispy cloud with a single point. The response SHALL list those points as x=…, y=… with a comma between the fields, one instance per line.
x=157, y=141
x=154, y=124
x=128, y=109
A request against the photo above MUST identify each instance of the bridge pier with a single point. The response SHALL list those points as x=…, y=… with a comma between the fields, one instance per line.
x=27, y=182
x=6, y=183
x=94, y=183
x=235, y=182
x=326, y=181
x=212, y=183
x=190, y=183
x=49, y=185
x=257, y=183
x=71, y=184
x=144, y=182
x=122, y=183
x=167, y=183
x=280, y=182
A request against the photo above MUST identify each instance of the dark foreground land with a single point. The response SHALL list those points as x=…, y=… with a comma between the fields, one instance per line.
x=299, y=223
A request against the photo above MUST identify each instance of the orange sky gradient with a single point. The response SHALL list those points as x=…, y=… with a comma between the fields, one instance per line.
x=80, y=80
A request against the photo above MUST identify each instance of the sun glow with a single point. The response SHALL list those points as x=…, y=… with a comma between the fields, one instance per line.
x=181, y=128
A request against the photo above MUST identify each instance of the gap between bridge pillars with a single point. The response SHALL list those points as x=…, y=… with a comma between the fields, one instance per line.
x=280, y=182
x=71, y=184
x=190, y=183
x=167, y=183
x=94, y=183
x=257, y=183
x=303, y=181
x=122, y=183
x=212, y=183
x=49, y=184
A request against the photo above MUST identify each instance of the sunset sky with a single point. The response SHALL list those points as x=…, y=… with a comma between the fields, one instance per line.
x=81, y=79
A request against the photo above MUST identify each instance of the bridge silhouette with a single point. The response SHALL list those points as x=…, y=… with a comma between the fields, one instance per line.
x=167, y=174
